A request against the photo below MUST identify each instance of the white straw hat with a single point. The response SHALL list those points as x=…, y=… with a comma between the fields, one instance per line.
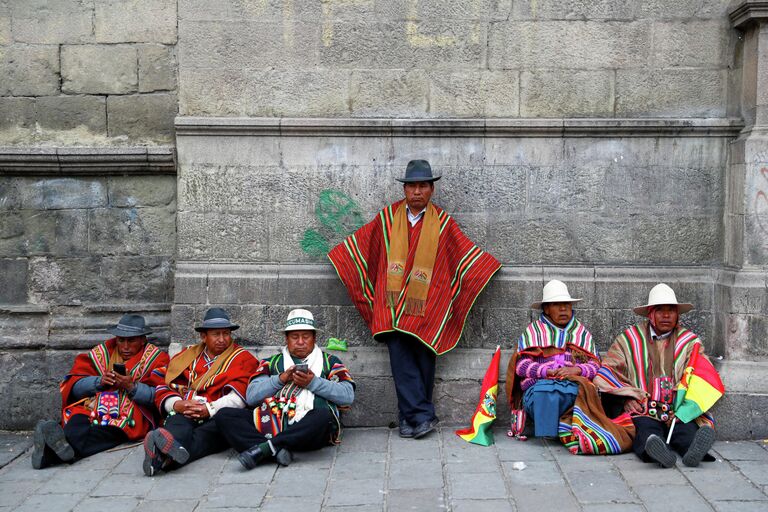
x=661, y=295
x=300, y=320
x=554, y=291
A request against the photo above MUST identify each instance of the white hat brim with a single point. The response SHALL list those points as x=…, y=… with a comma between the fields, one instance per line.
x=682, y=307
x=537, y=305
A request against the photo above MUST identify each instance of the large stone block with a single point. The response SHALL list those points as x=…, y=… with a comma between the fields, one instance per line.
x=679, y=240
x=383, y=93
x=566, y=188
x=462, y=193
x=413, y=44
x=14, y=287
x=62, y=21
x=756, y=240
x=566, y=93
x=132, y=231
x=101, y=279
x=568, y=45
x=70, y=112
x=574, y=9
x=24, y=329
x=99, y=69
x=683, y=9
x=474, y=94
x=52, y=232
x=691, y=43
x=141, y=191
x=135, y=21
x=222, y=236
x=142, y=116
x=17, y=113
x=281, y=45
x=264, y=93
x=459, y=10
x=29, y=70
x=63, y=193
x=5, y=23
x=669, y=93
x=157, y=68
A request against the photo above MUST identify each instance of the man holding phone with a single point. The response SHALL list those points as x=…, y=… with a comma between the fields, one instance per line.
x=297, y=393
x=107, y=397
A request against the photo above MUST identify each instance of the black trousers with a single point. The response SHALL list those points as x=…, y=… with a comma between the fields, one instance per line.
x=200, y=439
x=413, y=370
x=682, y=435
x=311, y=433
x=88, y=439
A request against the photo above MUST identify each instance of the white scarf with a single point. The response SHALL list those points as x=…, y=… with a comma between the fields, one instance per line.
x=305, y=399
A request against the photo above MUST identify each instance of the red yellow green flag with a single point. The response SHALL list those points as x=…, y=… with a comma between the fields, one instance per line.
x=699, y=388
x=480, y=432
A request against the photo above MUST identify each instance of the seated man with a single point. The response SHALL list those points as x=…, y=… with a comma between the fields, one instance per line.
x=643, y=367
x=107, y=397
x=297, y=393
x=200, y=382
x=551, y=371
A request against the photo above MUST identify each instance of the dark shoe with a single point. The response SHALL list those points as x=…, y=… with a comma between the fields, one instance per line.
x=702, y=442
x=153, y=459
x=284, y=457
x=253, y=456
x=38, y=447
x=168, y=445
x=658, y=450
x=406, y=430
x=423, y=429
x=49, y=433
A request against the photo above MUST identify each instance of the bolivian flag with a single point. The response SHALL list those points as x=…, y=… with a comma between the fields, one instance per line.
x=480, y=432
x=699, y=388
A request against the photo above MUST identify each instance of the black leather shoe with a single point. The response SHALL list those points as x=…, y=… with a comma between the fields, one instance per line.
x=49, y=433
x=658, y=450
x=702, y=442
x=284, y=457
x=423, y=429
x=406, y=430
x=252, y=457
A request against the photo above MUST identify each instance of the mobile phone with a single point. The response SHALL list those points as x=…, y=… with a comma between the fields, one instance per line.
x=119, y=368
x=302, y=367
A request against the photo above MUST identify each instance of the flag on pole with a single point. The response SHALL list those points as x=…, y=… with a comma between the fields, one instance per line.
x=480, y=432
x=699, y=388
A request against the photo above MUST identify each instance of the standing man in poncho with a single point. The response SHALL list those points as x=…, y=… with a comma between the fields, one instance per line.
x=414, y=276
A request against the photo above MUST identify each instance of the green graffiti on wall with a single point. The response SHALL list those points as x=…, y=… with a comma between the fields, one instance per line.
x=338, y=214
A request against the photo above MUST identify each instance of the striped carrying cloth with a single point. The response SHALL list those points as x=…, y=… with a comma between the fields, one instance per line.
x=627, y=369
x=460, y=273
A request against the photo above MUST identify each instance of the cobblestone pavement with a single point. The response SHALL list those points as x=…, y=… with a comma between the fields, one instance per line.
x=376, y=470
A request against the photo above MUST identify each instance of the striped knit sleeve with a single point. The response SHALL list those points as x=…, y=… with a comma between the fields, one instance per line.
x=528, y=368
x=589, y=369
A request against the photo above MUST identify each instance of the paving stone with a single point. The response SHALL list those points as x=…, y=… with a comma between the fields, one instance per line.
x=247, y=496
x=416, y=499
x=484, y=461
x=174, y=487
x=638, y=473
x=167, y=505
x=755, y=471
x=103, y=461
x=308, y=503
x=476, y=485
x=235, y=473
x=12, y=493
x=298, y=482
x=50, y=502
x=424, y=448
x=740, y=506
x=666, y=497
x=415, y=474
x=362, y=465
x=365, y=440
x=12, y=446
x=124, y=485
x=482, y=506
x=131, y=464
x=73, y=482
x=358, y=508
x=558, y=497
x=512, y=450
x=599, y=486
x=617, y=507
x=113, y=503
x=355, y=492
x=745, y=450
x=723, y=485
x=535, y=473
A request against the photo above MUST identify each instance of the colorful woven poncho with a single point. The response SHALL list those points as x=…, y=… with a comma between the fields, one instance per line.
x=114, y=408
x=626, y=369
x=460, y=273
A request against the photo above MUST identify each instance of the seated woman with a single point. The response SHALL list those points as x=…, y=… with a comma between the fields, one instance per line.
x=200, y=381
x=107, y=397
x=549, y=379
x=297, y=394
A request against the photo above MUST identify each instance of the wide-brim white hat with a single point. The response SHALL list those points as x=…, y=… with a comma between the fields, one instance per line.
x=662, y=295
x=300, y=320
x=554, y=291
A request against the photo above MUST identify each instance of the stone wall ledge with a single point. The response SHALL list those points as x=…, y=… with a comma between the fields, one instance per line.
x=748, y=11
x=86, y=161
x=377, y=127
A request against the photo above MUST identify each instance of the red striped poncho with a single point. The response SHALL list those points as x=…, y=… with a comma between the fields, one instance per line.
x=627, y=371
x=135, y=420
x=460, y=273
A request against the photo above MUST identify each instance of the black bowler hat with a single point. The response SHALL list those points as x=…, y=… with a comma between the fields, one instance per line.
x=130, y=326
x=418, y=170
x=216, y=318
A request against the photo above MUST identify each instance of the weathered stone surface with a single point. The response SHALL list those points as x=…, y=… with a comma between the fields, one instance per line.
x=99, y=69
x=17, y=112
x=29, y=70
x=62, y=193
x=14, y=289
x=684, y=9
x=691, y=44
x=132, y=231
x=568, y=45
x=375, y=93
x=494, y=94
x=222, y=237
x=5, y=23
x=69, y=112
x=142, y=116
x=157, y=68
x=687, y=92
x=143, y=21
x=574, y=9
x=145, y=191
x=41, y=21
x=48, y=232
x=566, y=93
